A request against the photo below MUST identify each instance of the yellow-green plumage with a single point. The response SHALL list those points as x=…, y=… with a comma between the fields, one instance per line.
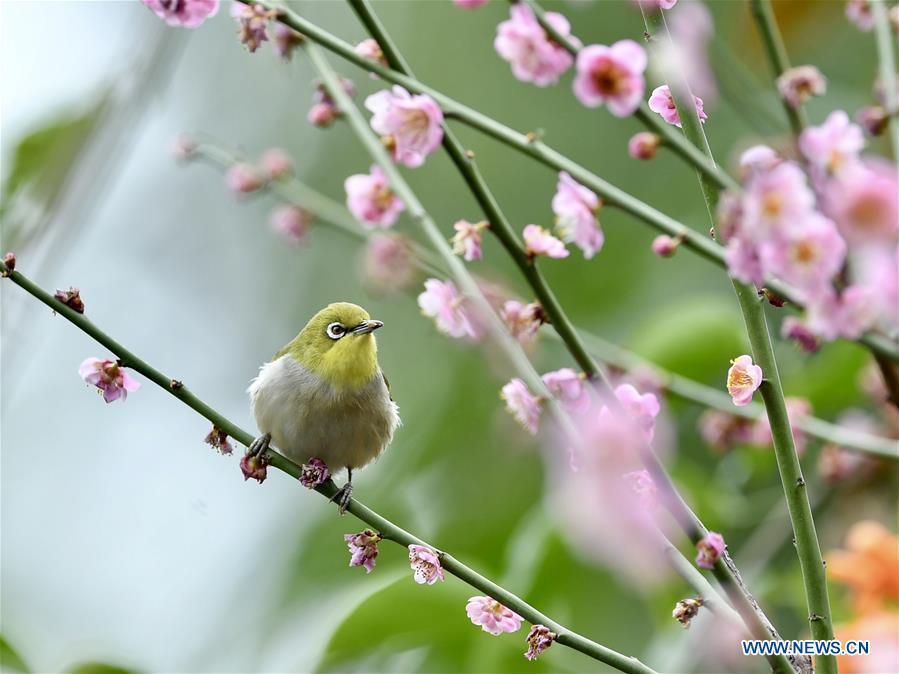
x=326, y=397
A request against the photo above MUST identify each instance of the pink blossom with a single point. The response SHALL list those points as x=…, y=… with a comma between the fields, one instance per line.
x=184, y=13
x=795, y=328
x=243, y=178
x=743, y=378
x=797, y=410
x=775, y=200
x=576, y=207
x=71, y=298
x=539, y=639
x=388, y=264
x=807, y=256
x=363, y=548
x=314, y=473
x=539, y=241
x=253, y=21
x=709, y=550
x=442, y=302
x=662, y=102
x=253, y=468
x=469, y=4
x=276, y=163
x=643, y=145
x=371, y=50
x=492, y=616
x=467, y=240
x=848, y=314
x=664, y=245
x=643, y=407
x=522, y=404
x=800, y=83
x=371, y=200
x=108, y=376
x=865, y=203
x=859, y=12
x=322, y=115
x=834, y=146
x=425, y=565
x=413, y=123
x=873, y=119
x=611, y=75
x=286, y=40
x=877, y=269
x=692, y=28
x=534, y=57
x=291, y=223
x=722, y=431
x=523, y=320
x=568, y=387
x=218, y=439
x=743, y=262
x=643, y=486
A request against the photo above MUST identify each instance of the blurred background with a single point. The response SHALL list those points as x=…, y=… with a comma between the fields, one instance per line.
x=128, y=543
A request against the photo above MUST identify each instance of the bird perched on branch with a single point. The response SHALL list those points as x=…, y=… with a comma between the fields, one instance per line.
x=324, y=395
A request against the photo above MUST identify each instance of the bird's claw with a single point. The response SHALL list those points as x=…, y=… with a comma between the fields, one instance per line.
x=260, y=445
x=343, y=497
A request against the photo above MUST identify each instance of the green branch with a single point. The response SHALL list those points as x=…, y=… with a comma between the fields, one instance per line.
x=810, y=560
x=533, y=147
x=887, y=62
x=387, y=529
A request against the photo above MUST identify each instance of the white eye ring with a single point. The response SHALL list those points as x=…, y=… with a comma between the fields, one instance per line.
x=335, y=331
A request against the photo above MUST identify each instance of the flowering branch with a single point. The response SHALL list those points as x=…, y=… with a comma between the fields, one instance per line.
x=887, y=57
x=723, y=567
x=385, y=527
x=529, y=145
x=794, y=485
x=295, y=192
x=777, y=57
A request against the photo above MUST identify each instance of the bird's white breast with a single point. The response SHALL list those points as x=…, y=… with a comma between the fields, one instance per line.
x=306, y=416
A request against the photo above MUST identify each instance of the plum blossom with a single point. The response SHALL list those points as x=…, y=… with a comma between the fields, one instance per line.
x=388, y=263
x=371, y=50
x=539, y=241
x=834, y=146
x=859, y=13
x=722, y=430
x=612, y=75
x=569, y=388
x=108, y=376
x=807, y=256
x=467, y=239
x=534, y=57
x=286, y=40
x=253, y=21
x=425, y=565
x=71, y=298
x=687, y=609
x=371, y=200
x=801, y=83
x=643, y=407
x=743, y=378
x=218, y=439
x=412, y=123
x=492, y=616
x=709, y=550
x=539, y=639
x=865, y=204
x=363, y=548
x=662, y=102
x=692, y=28
x=442, y=302
x=643, y=486
x=873, y=119
x=795, y=328
x=775, y=199
x=576, y=207
x=643, y=145
x=523, y=320
x=522, y=404
x=847, y=314
x=664, y=245
x=314, y=473
x=276, y=163
x=291, y=223
x=743, y=262
x=253, y=468
x=243, y=178
x=184, y=13
x=757, y=159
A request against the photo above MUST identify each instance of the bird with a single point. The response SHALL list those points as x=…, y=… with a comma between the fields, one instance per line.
x=323, y=395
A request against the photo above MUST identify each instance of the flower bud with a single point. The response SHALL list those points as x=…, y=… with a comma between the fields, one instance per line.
x=314, y=473
x=664, y=245
x=799, y=84
x=242, y=178
x=322, y=115
x=539, y=639
x=291, y=223
x=363, y=548
x=371, y=50
x=9, y=261
x=276, y=163
x=873, y=119
x=253, y=467
x=286, y=40
x=686, y=609
x=643, y=145
x=218, y=439
x=71, y=298
x=709, y=550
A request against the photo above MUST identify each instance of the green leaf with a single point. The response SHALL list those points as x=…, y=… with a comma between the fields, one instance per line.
x=10, y=660
x=99, y=668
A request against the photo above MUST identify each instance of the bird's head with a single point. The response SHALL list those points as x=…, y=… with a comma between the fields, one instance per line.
x=337, y=344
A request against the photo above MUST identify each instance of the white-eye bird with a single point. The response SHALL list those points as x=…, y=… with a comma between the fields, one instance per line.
x=324, y=395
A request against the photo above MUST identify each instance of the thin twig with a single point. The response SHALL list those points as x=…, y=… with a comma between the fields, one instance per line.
x=887, y=63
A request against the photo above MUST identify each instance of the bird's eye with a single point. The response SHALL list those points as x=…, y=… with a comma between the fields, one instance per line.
x=336, y=330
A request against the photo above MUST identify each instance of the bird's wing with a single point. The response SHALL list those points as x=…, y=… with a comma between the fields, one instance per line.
x=387, y=384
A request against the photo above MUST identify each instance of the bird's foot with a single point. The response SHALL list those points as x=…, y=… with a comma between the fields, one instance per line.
x=343, y=497
x=260, y=445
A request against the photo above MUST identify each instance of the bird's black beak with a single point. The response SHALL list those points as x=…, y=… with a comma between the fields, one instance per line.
x=365, y=327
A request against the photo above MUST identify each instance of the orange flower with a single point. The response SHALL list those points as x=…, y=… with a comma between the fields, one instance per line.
x=881, y=630
x=869, y=566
